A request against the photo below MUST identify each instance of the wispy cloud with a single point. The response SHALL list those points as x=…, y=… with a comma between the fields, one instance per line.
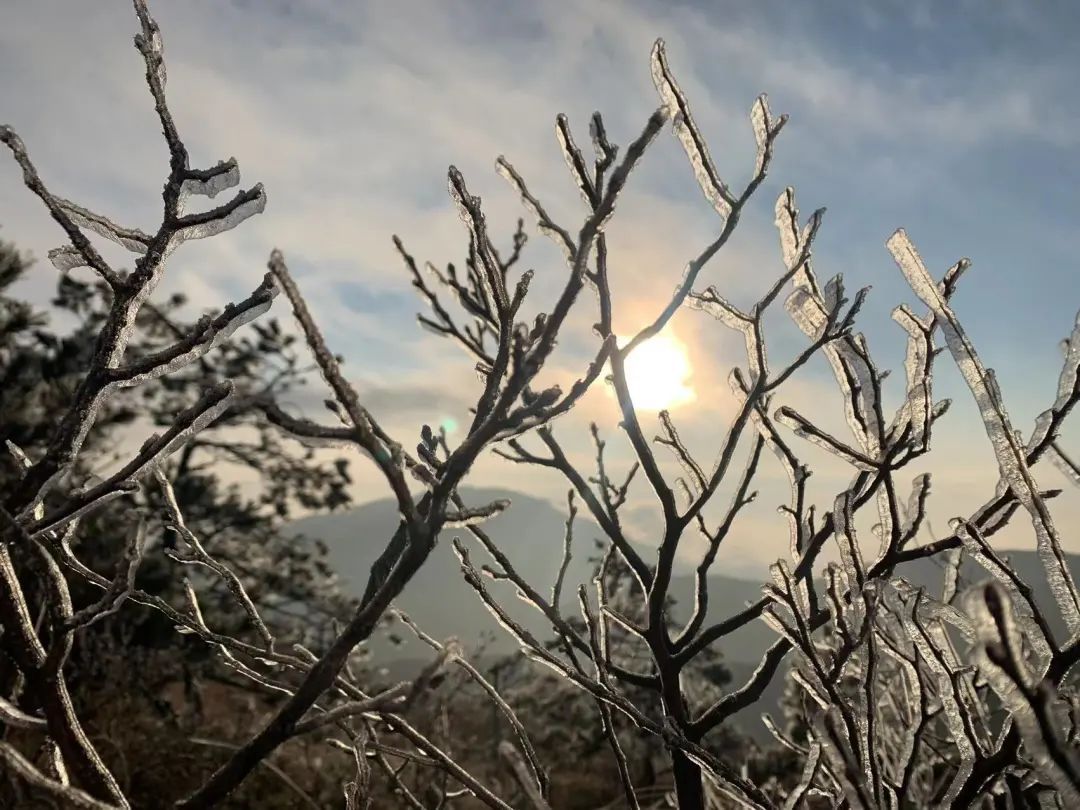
x=947, y=118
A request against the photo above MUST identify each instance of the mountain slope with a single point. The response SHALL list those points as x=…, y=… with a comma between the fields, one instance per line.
x=530, y=533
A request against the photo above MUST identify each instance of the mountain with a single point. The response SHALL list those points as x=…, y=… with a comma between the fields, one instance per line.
x=530, y=533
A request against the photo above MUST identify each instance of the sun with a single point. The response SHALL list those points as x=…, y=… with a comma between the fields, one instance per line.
x=657, y=372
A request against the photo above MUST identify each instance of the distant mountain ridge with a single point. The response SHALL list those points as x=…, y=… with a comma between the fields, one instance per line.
x=530, y=533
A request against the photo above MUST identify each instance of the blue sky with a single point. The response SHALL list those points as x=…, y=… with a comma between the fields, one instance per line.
x=956, y=121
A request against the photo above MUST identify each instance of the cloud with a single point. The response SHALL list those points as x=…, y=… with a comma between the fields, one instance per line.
x=403, y=402
x=948, y=120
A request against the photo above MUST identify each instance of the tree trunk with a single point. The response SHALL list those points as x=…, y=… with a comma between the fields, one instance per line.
x=688, y=788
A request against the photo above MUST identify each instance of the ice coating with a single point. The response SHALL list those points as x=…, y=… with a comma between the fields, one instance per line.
x=211, y=182
x=150, y=44
x=786, y=221
x=1034, y=704
x=807, y=312
x=931, y=610
x=810, y=768
x=67, y=258
x=544, y=223
x=916, y=506
x=1068, y=381
x=188, y=424
x=797, y=473
x=816, y=310
x=954, y=715
x=471, y=517
x=1017, y=590
x=12, y=715
x=207, y=335
x=953, y=560
x=830, y=731
x=906, y=660
x=472, y=217
x=834, y=292
x=762, y=121
x=773, y=617
x=847, y=356
x=223, y=218
x=574, y=161
x=712, y=302
x=131, y=238
x=1010, y=453
x=197, y=555
x=1068, y=467
x=917, y=366
x=697, y=151
x=805, y=429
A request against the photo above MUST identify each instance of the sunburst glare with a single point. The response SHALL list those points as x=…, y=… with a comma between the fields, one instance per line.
x=657, y=373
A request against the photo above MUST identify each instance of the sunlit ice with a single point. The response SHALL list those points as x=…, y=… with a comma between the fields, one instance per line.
x=658, y=373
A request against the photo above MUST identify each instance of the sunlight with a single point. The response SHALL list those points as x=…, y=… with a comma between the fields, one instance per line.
x=657, y=372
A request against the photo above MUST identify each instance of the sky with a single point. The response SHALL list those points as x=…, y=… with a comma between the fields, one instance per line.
x=956, y=121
